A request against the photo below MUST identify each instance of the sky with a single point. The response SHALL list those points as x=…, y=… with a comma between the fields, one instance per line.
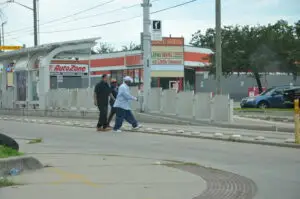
x=180, y=21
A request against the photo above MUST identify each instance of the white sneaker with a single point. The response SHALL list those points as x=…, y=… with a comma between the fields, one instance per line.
x=117, y=131
x=137, y=127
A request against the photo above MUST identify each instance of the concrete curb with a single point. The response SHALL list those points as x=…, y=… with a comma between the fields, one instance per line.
x=171, y=132
x=269, y=118
x=187, y=121
x=230, y=139
x=23, y=163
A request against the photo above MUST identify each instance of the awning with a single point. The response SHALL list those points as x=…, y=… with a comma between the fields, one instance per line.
x=21, y=64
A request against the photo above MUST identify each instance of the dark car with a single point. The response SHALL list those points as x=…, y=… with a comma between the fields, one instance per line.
x=290, y=95
x=271, y=98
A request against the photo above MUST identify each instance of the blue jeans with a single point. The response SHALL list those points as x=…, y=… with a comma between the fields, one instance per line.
x=122, y=114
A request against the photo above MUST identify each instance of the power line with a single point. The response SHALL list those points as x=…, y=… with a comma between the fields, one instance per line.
x=65, y=17
x=175, y=6
x=81, y=18
x=117, y=21
x=80, y=12
x=123, y=20
x=108, y=12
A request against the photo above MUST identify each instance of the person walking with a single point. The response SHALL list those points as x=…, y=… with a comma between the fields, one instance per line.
x=122, y=105
x=114, y=91
x=102, y=92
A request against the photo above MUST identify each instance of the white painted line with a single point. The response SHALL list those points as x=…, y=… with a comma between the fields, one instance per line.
x=195, y=133
x=290, y=140
x=259, y=138
x=68, y=123
x=235, y=137
x=180, y=131
x=218, y=135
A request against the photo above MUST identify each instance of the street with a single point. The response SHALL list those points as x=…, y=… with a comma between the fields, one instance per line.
x=273, y=169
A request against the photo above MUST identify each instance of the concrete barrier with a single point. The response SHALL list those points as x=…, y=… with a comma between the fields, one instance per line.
x=185, y=104
x=167, y=102
x=23, y=163
x=203, y=106
x=155, y=99
x=221, y=108
x=169, y=98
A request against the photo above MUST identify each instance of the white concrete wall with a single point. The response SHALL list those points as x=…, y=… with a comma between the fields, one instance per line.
x=7, y=98
x=203, y=106
x=155, y=99
x=185, y=104
x=168, y=102
x=221, y=108
x=169, y=98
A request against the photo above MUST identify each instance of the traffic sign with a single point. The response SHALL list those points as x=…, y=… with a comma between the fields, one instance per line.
x=156, y=25
x=10, y=47
x=156, y=30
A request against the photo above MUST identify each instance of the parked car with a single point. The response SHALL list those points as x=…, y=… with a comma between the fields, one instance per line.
x=290, y=95
x=271, y=98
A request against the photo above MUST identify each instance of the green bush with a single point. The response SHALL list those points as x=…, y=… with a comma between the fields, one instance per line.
x=6, y=152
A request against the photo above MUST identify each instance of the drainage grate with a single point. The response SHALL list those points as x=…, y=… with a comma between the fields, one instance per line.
x=221, y=184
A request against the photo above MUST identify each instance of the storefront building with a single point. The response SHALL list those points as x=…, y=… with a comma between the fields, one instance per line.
x=68, y=74
x=28, y=74
x=174, y=65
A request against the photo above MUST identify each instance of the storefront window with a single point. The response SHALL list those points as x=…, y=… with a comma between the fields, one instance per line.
x=189, y=79
x=35, y=96
x=154, y=82
x=21, y=79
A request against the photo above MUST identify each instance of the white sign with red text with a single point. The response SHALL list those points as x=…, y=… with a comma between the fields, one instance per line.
x=68, y=68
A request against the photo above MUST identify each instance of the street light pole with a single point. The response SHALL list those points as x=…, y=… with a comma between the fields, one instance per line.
x=146, y=52
x=218, y=55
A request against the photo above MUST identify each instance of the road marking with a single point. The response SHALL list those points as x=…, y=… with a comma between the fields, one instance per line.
x=72, y=176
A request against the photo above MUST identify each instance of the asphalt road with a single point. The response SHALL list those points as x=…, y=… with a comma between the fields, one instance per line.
x=274, y=170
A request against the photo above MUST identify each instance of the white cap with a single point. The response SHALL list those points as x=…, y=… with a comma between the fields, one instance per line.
x=128, y=79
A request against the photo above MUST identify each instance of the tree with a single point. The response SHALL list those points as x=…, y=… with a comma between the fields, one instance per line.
x=103, y=48
x=132, y=46
x=257, y=50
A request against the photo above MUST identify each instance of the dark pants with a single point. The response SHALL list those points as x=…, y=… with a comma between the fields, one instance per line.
x=102, y=121
x=124, y=114
x=111, y=114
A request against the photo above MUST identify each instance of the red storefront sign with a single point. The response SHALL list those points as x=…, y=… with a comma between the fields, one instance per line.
x=169, y=41
x=68, y=68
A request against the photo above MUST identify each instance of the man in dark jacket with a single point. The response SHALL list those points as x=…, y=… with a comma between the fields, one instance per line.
x=114, y=91
x=102, y=93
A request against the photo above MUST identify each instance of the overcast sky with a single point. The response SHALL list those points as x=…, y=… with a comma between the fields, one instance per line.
x=181, y=21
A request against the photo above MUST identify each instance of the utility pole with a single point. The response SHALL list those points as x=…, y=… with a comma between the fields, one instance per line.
x=146, y=52
x=218, y=56
x=35, y=18
x=0, y=37
x=35, y=22
x=2, y=27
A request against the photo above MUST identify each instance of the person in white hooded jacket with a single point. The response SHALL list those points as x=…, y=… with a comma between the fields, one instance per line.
x=122, y=105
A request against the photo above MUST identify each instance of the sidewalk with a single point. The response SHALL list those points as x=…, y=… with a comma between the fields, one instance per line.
x=95, y=176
